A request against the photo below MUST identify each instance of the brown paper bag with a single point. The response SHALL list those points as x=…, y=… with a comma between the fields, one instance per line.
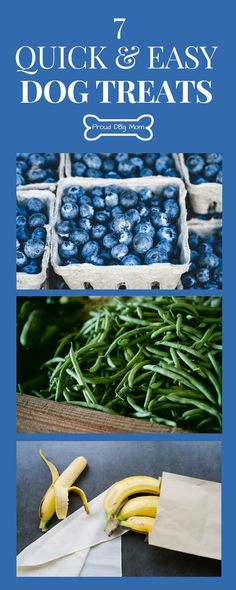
x=189, y=516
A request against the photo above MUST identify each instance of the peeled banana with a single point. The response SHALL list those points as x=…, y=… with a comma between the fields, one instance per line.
x=56, y=498
x=140, y=524
x=139, y=506
x=121, y=490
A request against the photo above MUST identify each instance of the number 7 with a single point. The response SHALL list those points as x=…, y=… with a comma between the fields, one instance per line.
x=122, y=21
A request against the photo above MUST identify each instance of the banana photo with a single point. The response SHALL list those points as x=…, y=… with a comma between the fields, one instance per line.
x=119, y=364
x=118, y=508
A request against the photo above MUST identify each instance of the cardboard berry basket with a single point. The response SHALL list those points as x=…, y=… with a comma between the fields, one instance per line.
x=204, y=229
x=203, y=197
x=24, y=280
x=46, y=185
x=68, y=165
x=155, y=276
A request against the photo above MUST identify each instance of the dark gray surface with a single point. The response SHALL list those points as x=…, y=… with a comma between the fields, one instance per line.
x=108, y=462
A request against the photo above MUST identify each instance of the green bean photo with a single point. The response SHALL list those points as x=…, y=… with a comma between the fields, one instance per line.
x=157, y=359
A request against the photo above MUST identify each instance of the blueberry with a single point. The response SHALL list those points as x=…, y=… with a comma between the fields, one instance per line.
x=160, y=219
x=21, y=210
x=110, y=240
x=142, y=210
x=116, y=211
x=79, y=236
x=170, y=192
x=126, y=169
x=37, y=160
x=162, y=163
x=22, y=157
x=63, y=228
x=21, y=259
x=97, y=260
x=39, y=233
x=153, y=256
x=21, y=167
x=93, y=173
x=105, y=254
x=213, y=158
x=85, y=200
x=98, y=231
x=34, y=205
x=102, y=216
x=145, y=227
x=98, y=202
x=37, y=220
x=194, y=255
x=89, y=249
x=172, y=209
x=34, y=248
x=75, y=191
x=19, y=179
x=171, y=172
x=167, y=233
x=92, y=161
x=76, y=157
x=125, y=237
x=137, y=163
x=165, y=247
x=97, y=191
x=142, y=243
x=192, y=268
x=69, y=199
x=36, y=175
x=150, y=159
x=119, y=251
x=20, y=221
x=199, y=180
x=78, y=169
x=22, y=234
x=134, y=216
x=203, y=275
x=52, y=160
x=219, y=177
x=195, y=164
x=205, y=249
x=211, y=171
x=145, y=194
x=68, y=249
x=146, y=172
x=32, y=268
x=108, y=166
x=121, y=222
x=122, y=157
x=210, y=261
x=131, y=260
x=128, y=199
x=86, y=211
x=188, y=281
x=111, y=200
x=112, y=175
x=193, y=240
x=217, y=275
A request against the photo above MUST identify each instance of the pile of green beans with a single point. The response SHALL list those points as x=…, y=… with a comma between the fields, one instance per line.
x=153, y=358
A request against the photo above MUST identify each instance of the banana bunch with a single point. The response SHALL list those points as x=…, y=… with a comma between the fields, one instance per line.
x=136, y=513
x=56, y=498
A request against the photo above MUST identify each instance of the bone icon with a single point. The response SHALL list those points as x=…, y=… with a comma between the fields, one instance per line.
x=141, y=128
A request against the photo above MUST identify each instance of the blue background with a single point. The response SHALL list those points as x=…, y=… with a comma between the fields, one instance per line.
x=44, y=127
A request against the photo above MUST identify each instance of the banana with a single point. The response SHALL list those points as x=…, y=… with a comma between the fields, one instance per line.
x=56, y=497
x=139, y=506
x=121, y=490
x=140, y=524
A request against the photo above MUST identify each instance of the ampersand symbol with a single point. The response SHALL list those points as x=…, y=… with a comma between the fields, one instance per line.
x=126, y=57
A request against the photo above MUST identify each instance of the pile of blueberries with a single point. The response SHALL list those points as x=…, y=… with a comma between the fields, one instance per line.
x=205, y=271
x=31, y=217
x=122, y=165
x=110, y=226
x=36, y=168
x=204, y=167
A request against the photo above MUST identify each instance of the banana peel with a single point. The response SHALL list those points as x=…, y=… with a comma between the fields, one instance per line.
x=56, y=498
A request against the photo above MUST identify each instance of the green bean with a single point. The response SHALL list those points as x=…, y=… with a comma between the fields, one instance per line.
x=80, y=378
x=215, y=365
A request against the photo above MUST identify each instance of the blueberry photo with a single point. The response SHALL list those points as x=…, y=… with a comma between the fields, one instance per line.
x=36, y=168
